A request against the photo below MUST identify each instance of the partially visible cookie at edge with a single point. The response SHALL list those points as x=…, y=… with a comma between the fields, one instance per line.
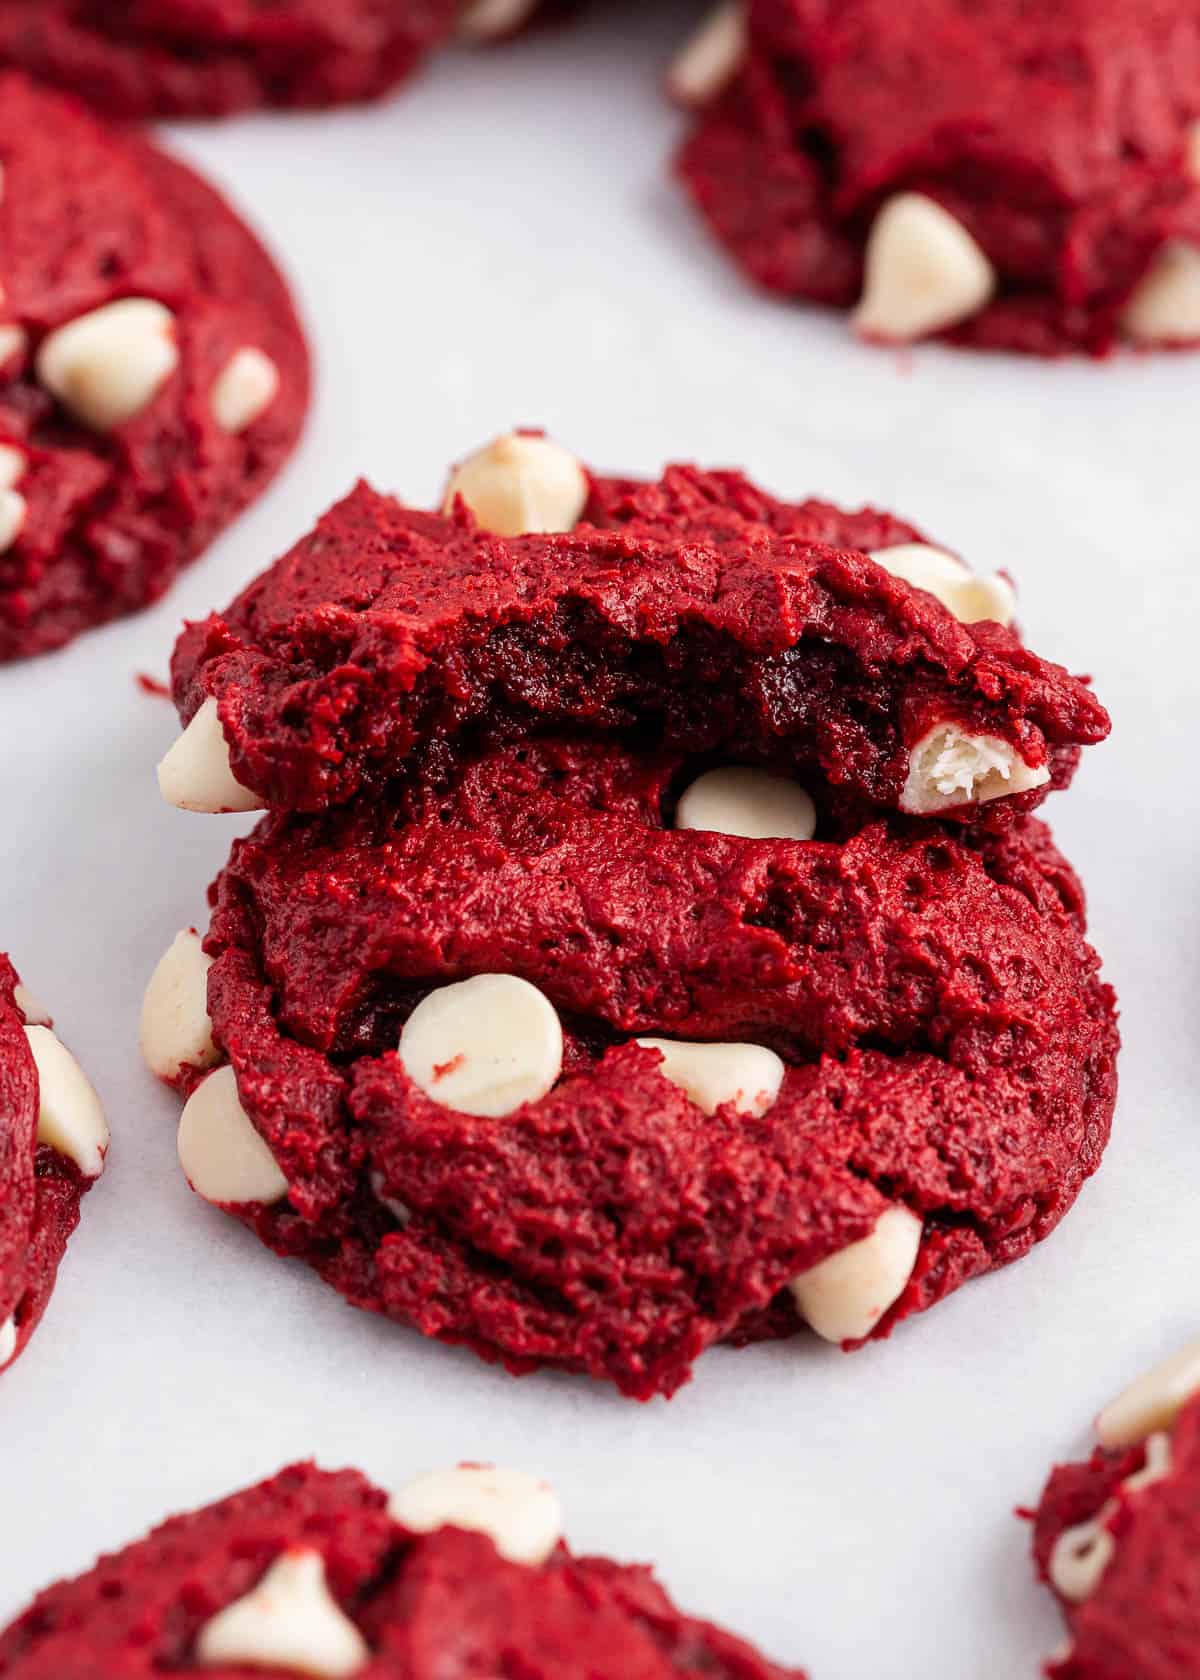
x=323, y=1574
x=153, y=373
x=53, y=1142
x=1117, y=1537
x=964, y=169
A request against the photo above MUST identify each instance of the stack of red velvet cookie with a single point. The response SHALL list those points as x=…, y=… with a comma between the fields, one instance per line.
x=649, y=942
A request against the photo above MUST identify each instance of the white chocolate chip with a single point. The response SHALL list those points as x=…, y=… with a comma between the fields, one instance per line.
x=195, y=775
x=14, y=341
x=521, y=484
x=70, y=1118
x=13, y=462
x=107, y=366
x=245, y=388
x=845, y=1296
x=224, y=1158
x=923, y=272
x=12, y=518
x=290, y=1621
x=948, y=767
x=35, y=1013
x=750, y=803
x=1165, y=306
x=487, y=20
x=747, y=1075
x=711, y=58
x=8, y=1341
x=519, y=1514
x=175, y=1030
x=944, y=576
x=1153, y=1401
x=1081, y=1554
x=484, y=1046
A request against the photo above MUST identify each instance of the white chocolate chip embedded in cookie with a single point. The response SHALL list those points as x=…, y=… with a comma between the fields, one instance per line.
x=747, y=1075
x=195, y=775
x=244, y=389
x=923, y=272
x=944, y=576
x=289, y=1622
x=747, y=802
x=13, y=510
x=70, y=1116
x=845, y=1296
x=13, y=462
x=711, y=58
x=950, y=767
x=519, y=1513
x=1082, y=1553
x=8, y=1341
x=224, y=1158
x=14, y=342
x=521, y=484
x=107, y=366
x=1165, y=306
x=484, y=1046
x=1153, y=1401
x=175, y=1029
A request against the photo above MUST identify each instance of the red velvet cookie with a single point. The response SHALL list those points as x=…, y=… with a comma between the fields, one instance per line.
x=210, y=58
x=546, y=1056
x=697, y=614
x=316, y=1573
x=1118, y=1537
x=164, y=58
x=1006, y=175
x=53, y=1140
x=153, y=375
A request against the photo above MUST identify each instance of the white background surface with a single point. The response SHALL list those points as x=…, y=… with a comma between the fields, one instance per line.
x=502, y=244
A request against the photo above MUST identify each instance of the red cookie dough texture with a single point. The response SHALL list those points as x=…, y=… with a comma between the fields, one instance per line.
x=698, y=614
x=317, y=1573
x=53, y=1141
x=153, y=374
x=208, y=58
x=1117, y=1538
x=1004, y=175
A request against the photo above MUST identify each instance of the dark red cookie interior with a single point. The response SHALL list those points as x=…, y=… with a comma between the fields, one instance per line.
x=701, y=618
